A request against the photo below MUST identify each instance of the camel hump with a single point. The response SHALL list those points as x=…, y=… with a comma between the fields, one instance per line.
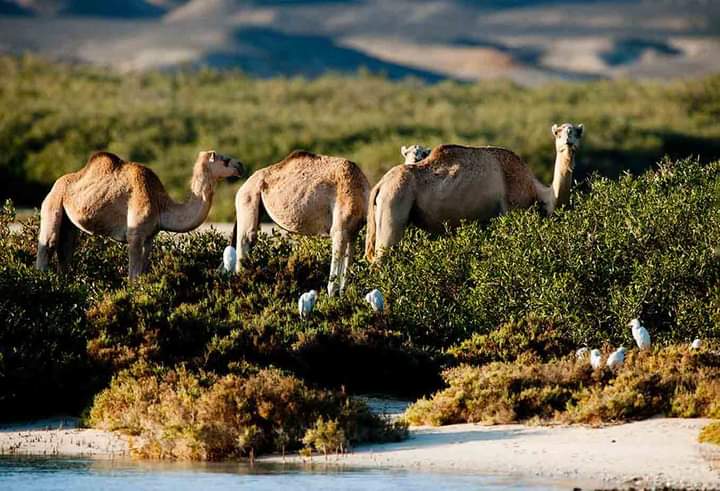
x=105, y=157
x=301, y=154
x=446, y=150
x=104, y=162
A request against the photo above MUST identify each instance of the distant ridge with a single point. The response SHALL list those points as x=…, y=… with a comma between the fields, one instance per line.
x=8, y=7
x=113, y=8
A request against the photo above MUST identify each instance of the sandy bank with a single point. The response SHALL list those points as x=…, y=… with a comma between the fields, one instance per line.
x=60, y=436
x=655, y=452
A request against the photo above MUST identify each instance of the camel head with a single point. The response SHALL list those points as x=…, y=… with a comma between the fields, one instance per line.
x=414, y=153
x=567, y=136
x=220, y=166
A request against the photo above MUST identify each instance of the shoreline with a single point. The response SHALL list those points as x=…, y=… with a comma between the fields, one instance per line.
x=659, y=452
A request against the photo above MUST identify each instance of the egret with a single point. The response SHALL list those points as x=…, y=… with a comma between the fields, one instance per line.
x=616, y=358
x=595, y=359
x=697, y=344
x=641, y=335
x=229, y=256
x=581, y=353
x=306, y=303
x=376, y=300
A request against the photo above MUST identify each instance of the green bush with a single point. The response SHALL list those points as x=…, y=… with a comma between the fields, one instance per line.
x=179, y=414
x=672, y=381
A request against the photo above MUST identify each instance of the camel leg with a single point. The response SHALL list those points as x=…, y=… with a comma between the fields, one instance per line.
x=51, y=218
x=346, y=265
x=146, y=251
x=66, y=246
x=391, y=217
x=339, y=260
x=135, y=254
x=247, y=212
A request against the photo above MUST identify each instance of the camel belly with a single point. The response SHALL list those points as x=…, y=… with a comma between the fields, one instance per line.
x=307, y=212
x=107, y=220
x=456, y=200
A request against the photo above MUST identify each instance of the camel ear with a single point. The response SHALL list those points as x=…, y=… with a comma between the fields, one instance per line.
x=579, y=129
x=211, y=157
x=554, y=129
x=403, y=150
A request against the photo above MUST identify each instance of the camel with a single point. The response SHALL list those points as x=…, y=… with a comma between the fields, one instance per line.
x=306, y=194
x=126, y=202
x=456, y=183
x=414, y=153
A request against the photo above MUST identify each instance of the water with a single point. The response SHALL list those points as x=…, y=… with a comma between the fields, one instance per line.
x=48, y=474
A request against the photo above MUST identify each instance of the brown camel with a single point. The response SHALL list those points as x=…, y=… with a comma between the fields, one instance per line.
x=126, y=202
x=307, y=194
x=456, y=183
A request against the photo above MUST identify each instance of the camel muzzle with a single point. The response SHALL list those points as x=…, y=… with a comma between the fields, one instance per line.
x=239, y=167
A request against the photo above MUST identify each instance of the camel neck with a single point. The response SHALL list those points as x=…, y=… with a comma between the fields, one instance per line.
x=562, y=179
x=183, y=217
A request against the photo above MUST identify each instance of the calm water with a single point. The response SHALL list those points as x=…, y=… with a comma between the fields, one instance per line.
x=33, y=473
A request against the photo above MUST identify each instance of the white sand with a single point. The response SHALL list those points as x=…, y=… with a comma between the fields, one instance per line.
x=60, y=436
x=652, y=453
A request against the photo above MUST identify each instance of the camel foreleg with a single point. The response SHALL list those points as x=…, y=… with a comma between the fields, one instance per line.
x=66, y=245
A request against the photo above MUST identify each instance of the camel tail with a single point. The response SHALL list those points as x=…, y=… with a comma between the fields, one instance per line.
x=371, y=225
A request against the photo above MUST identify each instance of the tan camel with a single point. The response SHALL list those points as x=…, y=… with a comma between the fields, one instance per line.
x=307, y=194
x=126, y=202
x=456, y=183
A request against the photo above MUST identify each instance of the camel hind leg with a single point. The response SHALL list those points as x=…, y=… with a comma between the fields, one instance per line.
x=51, y=221
x=341, y=244
x=392, y=214
x=247, y=214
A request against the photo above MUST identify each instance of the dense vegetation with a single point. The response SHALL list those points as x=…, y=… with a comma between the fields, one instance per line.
x=198, y=364
x=55, y=115
x=515, y=297
x=674, y=381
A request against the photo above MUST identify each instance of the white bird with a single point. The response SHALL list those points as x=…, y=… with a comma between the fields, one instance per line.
x=616, y=358
x=697, y=344
x=376, y=300
x=595, y=359
x=306, y=303
x=581, y=353
x=641, y=335
x=229, y=257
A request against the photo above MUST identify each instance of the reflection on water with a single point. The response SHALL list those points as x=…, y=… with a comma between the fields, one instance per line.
x=39, y=473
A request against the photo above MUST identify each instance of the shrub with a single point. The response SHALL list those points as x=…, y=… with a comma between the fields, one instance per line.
x=674, y=381
x=710, y=433
x=326, y=437
x=179, y=414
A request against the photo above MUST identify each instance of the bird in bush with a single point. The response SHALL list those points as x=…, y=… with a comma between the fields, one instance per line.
x=229, y=256
x=581, y=353
x=616, y=358
x=697, y=344
x=376, y=300
x=306, y=303
x=595, y=359
x=641, y=335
